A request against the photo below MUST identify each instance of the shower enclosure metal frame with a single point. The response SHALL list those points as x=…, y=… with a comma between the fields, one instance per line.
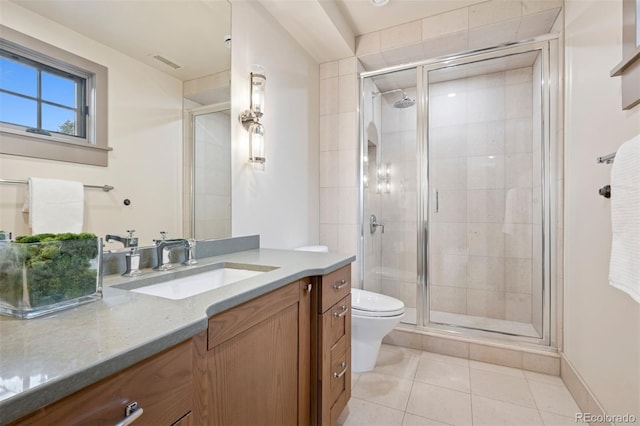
x=546, y=45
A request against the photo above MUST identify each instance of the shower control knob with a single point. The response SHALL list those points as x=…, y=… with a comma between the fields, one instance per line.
x=373, y=224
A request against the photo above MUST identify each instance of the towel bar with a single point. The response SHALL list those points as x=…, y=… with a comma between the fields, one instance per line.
x=105, y=188
x=607, y=159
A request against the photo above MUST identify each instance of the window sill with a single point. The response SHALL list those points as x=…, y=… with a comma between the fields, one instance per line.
x=36, y=146
x=625, y=64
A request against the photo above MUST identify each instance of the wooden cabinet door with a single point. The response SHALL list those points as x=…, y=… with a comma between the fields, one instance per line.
x=255, y=366
x=161, y=385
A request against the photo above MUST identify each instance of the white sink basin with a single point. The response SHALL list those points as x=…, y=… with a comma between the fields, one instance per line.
x=181, y=288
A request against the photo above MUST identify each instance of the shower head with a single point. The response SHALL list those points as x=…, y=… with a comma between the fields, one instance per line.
x=405, y=102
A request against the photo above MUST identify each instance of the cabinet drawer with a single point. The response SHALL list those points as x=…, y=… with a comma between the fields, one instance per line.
x=335, y=286
x=336, y=322
x=340, y=368
x=161, y=385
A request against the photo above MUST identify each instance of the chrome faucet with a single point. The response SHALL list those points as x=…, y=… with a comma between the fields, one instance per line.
x=163, y=249
x=128, y=241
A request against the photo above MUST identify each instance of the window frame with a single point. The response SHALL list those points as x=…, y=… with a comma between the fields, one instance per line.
x=91, y=149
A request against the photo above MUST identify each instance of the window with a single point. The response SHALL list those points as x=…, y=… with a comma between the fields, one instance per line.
x=53, y=104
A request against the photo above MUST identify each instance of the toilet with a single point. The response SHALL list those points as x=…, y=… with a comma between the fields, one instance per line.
x=373, y=316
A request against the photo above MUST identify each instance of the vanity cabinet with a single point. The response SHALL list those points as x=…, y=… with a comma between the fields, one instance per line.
x=255, y=361
x=332, y=318
x=161, y=386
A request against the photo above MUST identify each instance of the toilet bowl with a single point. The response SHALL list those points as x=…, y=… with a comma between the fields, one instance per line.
x=373, y=316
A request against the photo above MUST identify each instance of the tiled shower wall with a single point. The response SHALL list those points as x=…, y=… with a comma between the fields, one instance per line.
x=482, y=173
x=339, y=157
x=477, y=26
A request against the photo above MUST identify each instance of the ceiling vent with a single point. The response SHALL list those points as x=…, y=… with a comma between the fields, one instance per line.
x=167, y=62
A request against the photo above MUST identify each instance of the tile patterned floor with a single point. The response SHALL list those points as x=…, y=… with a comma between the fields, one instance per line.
x=414, y=388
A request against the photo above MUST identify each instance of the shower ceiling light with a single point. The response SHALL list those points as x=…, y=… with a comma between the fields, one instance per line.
x=379, y=3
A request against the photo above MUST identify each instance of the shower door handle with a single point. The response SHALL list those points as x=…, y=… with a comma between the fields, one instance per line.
x=437, y=200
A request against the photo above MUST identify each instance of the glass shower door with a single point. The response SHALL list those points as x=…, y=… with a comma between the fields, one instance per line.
x=484, y=194
x=389, y=187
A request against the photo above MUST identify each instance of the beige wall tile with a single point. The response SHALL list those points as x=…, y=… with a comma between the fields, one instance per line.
x=449, y=44
x=448, y=270
x=328, y=169
x=518, y=307
x=348, y=66
x=491, y=35
x=494, y=355
x=486, y=172
x=403, y=338
x=368, y=43
x=541, y=363
x=328, y=205
x=329, y=132
x=486, y=205
x=329, y=236
x=347, y=93
x=449, y=299
x=535, y=6
x=445, y=23
x=347, y=237
x=328, y=69
x=445, y=346
x=347, y=205
x=488, y=304
x=329, y=96
x=518, y=241
x=486, y=273
x=485, y=239
x=518, y=275
x=494, y=11
x=347, y=131
x=401, y=35
x=347, y=171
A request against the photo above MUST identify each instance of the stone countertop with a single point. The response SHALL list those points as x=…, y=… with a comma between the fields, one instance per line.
x=45, y=359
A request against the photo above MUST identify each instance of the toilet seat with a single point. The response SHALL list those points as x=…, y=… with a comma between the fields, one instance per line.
x=368, y=304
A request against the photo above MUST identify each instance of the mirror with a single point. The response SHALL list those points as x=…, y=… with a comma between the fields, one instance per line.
x=190, y=41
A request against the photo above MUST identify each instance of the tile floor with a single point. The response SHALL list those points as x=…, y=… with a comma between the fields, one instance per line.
x=411, y=387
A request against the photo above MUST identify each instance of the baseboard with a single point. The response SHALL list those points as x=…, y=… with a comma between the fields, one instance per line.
x=586, y=400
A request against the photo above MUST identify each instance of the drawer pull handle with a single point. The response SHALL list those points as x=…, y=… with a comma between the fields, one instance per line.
x=309, y=287
x=340, y=284
x=131, y=413
x=342, y=313
x=340, y=374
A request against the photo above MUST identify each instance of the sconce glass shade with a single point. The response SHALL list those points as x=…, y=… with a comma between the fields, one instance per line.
x=256, y=143
x=258, y=83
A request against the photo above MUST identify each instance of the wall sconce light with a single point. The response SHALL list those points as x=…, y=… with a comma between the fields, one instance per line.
x=250, y=119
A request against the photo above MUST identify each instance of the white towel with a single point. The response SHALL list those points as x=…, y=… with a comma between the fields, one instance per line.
x=55, y=206
x=624, y=267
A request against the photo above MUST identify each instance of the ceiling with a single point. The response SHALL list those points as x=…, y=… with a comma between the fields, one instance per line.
x=191, y=33
x=365, y=18
x=188, y=33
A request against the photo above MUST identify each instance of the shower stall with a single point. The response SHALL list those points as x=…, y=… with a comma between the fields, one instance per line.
x=455, y=191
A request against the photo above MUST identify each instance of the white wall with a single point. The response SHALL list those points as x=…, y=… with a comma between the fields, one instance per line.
x=145, y=132
x=602, y=324
x=281, y=203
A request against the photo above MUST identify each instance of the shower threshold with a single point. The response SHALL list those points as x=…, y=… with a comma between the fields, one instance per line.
x=474, y=322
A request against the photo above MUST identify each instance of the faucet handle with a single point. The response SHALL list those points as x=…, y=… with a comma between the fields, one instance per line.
x=163, y=235
x=130, y=232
